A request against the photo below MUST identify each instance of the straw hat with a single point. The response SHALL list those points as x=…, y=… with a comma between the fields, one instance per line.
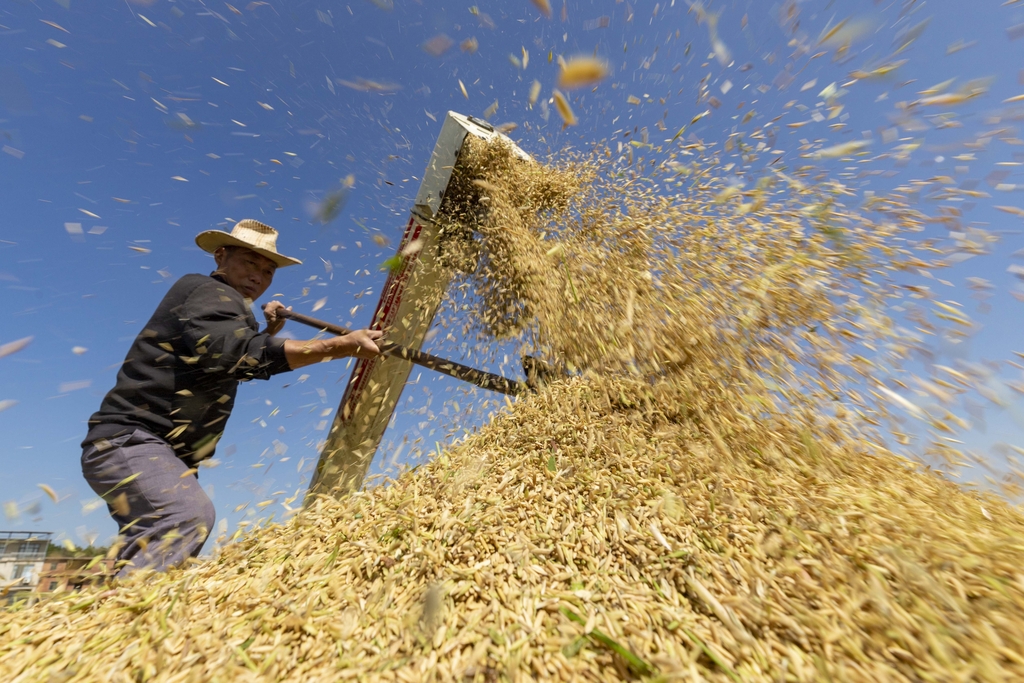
x=249, y=234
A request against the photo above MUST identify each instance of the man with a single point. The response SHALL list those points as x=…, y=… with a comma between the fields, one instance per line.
x=176, y=388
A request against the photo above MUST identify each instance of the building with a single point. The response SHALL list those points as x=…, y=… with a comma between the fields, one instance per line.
x=60, y=573
x=22, y=554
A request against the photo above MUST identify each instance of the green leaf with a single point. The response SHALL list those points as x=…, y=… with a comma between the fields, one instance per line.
x=245, y=660
x=551, y=463
x=82, y=604
x=573, y=648
x=392, y=264
x=712, y=656
x=333, y=556
x=637, y=665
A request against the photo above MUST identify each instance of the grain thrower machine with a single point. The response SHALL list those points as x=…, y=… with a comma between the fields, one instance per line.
x=408, y=303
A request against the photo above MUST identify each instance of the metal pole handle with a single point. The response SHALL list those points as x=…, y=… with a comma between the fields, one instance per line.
x=480, y=378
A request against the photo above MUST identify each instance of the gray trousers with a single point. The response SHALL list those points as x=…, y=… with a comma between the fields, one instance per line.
x=163, y=515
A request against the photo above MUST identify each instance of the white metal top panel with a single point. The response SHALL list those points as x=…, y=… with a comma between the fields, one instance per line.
x=446, y=153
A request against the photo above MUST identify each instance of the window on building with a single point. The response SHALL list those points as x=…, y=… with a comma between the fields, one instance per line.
x=53, y=586
x=53, y=565
x=31, y=549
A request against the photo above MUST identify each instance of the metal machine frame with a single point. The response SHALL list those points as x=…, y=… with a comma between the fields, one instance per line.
x=408, y=304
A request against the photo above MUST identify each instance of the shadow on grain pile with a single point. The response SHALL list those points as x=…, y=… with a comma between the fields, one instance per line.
x=704, y=500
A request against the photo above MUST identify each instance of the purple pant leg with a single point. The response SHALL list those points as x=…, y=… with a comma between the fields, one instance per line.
x=168, y=515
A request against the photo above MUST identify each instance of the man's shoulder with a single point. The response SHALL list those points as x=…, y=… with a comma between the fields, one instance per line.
x=200, y=293
x=195, y=288
x=183, y=287
x=192, y=281
x=196, y=283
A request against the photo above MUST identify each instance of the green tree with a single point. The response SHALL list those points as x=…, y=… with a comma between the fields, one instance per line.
x=54, y=550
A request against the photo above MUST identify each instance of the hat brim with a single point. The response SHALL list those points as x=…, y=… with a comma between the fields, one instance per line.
x=212, y=240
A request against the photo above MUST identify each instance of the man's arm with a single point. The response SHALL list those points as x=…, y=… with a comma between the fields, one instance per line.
x=361, y=343
x=219, y=340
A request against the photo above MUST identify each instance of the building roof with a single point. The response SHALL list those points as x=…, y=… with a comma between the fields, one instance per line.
x=26, y=536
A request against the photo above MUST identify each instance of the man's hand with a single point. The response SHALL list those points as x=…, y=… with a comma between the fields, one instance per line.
x=361, y=343
x=274, y=321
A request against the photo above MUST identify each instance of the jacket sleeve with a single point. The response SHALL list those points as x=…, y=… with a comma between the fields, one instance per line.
x=219, y=337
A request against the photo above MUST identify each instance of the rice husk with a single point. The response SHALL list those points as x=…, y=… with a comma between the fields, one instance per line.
x=704, y=496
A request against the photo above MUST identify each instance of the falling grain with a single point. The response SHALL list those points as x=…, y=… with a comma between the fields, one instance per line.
x=544, y=6
x=564, y=110
x=582, y=71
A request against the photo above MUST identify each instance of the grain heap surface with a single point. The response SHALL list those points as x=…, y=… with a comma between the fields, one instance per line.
x=704, y=497
x=806, y=560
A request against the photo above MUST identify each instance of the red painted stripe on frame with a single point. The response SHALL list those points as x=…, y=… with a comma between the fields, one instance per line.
x=383, y=317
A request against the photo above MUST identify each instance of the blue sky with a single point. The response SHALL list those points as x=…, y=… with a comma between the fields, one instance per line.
x=126, y=128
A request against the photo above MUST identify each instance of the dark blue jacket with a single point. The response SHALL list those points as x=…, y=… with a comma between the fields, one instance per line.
x=179, y=379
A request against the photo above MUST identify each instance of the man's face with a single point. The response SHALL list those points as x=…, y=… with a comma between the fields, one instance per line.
x=245, y=270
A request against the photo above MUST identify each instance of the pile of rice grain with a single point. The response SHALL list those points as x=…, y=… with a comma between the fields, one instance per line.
x=585, y=535
x=705, y=497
